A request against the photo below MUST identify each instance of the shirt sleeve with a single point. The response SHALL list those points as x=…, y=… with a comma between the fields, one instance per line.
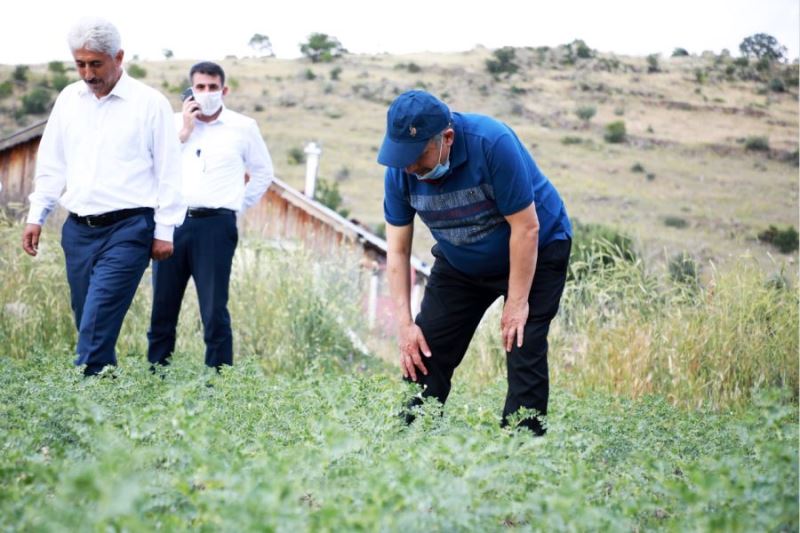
x=397, y=209
x=258, y=163
x=510, y=174
x=166, y=150
x=51, y=168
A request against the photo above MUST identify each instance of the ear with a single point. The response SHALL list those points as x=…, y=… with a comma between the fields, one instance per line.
x=119, y=56
x=449, y=135
x=225, y=91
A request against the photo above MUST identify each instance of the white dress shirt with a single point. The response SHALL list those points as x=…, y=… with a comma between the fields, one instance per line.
x=115, y=152
x=216, y=157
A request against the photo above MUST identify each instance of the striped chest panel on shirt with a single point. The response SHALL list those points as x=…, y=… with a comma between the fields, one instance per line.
x=460, y=217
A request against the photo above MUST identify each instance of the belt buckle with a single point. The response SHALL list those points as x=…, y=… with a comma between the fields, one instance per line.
x=89, y=222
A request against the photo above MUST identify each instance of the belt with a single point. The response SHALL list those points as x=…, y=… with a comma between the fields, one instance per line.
x=106, y=219
x=200, y=212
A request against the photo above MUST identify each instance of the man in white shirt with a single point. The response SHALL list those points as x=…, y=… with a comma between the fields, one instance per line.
x=219, y=147
x=109, y=145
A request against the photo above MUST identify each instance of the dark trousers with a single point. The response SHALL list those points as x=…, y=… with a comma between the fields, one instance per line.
x=203, y=250
x=452, y=308
x=104, y=267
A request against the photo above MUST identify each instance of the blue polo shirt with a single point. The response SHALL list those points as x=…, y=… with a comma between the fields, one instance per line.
x=491, y=176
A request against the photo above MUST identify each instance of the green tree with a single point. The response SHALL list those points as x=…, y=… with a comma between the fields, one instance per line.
x=20, y=73
x=261, y=44
x=36, y=102
x=680, y=52
x=56, y=67
x=322, y=48
x=328, y=195
x=167, y=53
x=136, y=71
x=762, y=46
x=652, y=64
x=503, y=62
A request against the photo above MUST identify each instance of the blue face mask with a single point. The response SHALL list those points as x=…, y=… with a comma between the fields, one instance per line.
x=439, y=170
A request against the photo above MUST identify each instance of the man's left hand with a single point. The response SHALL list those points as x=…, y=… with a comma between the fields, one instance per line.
x=512, y=324
x=161, y=250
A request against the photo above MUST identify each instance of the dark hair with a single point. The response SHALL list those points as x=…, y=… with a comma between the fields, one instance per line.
x=207, y=67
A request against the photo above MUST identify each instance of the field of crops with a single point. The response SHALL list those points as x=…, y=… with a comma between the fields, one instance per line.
x=673, y=408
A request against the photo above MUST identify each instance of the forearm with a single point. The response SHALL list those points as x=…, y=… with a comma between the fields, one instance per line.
x=524, y=245
x=398, y=270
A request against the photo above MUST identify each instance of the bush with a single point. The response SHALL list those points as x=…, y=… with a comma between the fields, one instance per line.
x=569, y=139
x=586, y=113
x=762, y=46
x=503, y=62
x=296, y=156
x=20, y=73
x=335, y=72
x=6, y=89
x=652, y=64
x=596, y=247
x=136, y=71
x=757, y=143
x=615, y=132
x=328, y=195
x=680, y=52
x=637, y=167
x=36, y=102
x=413, y=67
x=56, y=67
x=776, y=85
x=683, y=270
x=675, y=222
x=785, y=240
x=60, y=81
x=309, y=74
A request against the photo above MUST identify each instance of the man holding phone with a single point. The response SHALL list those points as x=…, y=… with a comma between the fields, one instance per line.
x=219, y=147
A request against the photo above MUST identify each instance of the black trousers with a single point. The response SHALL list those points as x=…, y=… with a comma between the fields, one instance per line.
x=452, y=308
x=203, y=250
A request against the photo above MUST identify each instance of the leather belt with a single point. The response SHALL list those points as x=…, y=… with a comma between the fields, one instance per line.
x=112, y=217
x=201, y=212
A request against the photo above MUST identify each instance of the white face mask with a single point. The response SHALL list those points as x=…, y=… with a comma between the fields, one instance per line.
x=209, y=102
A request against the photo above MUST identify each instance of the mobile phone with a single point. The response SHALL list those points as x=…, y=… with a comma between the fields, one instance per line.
x=187, y=93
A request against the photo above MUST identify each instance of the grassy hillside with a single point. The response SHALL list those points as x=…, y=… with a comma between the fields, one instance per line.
x=710, y=160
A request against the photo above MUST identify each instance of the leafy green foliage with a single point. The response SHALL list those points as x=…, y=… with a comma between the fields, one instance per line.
x=136, y=71
x=616, y=132
x=20, y=74
x=56, y=67
x=652, y=64
x=322, y=48
x=757, y=143
x=36, y=102
x=327, y=193
x=680, y=52
x=786, y=240
x=586, y=112
x=261, y=44
x=683, y=269
x=672, y=221
x=762, y=46
x=6, y=89
x=502, y=61
x=295, y=156
x=596, y=247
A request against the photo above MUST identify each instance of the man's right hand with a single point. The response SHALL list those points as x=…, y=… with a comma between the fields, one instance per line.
x=412, y=342
x=191, y=110
x=30, y=238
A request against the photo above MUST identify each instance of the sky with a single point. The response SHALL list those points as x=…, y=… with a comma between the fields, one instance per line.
x=213, y=30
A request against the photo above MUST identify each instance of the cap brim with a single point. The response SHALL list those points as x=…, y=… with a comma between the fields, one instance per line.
x=400, y=154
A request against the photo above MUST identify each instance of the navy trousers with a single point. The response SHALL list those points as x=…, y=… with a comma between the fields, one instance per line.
x=451, y=310
x=204, y=250
x=104, y=267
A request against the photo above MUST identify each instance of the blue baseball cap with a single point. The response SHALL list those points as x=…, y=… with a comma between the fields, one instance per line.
x=412, y=120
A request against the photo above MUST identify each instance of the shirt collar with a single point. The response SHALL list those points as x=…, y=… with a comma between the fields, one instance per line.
x=220, y=119
x=122, y=89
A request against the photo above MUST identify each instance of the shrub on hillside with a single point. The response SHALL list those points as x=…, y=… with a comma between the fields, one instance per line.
x=20, y=73
x=680, y=52
x=586, y=112
x=652, y=64
x=785, y=240
x=60, y=81
x=503, y=61
x=757, y=143
x=6, y=88
x=328, y=195
x=595, y=247
x=675, y=222
x=615, y=132
x=637, y=167
x=777, y=85
x=36, y=102
x=296, y=156
x=683, y=270
x=136, y=71
x=56, y=67
x=335, y=72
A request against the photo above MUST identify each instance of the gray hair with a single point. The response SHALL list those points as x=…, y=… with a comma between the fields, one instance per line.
x=95, y=34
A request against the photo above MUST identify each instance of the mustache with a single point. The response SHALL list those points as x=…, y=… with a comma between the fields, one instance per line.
x=93, y=81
